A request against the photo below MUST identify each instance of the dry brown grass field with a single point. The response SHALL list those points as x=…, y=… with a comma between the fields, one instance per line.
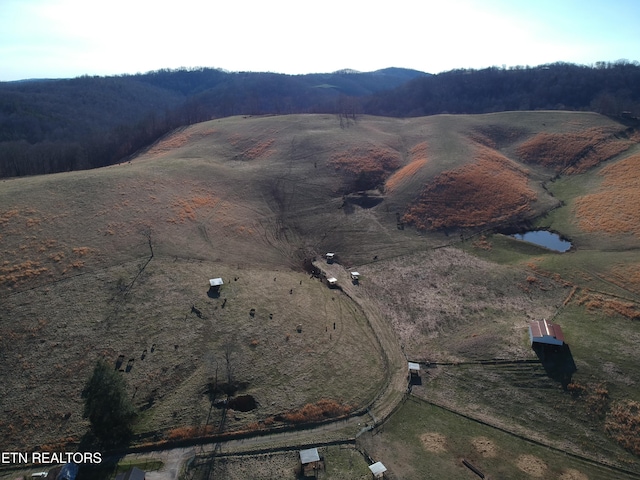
x=114, y=263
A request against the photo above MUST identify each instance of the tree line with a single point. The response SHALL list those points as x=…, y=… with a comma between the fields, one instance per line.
x=49, y=126
x=607, y=88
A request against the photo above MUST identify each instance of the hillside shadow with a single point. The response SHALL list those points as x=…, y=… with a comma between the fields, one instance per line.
x=557, y=362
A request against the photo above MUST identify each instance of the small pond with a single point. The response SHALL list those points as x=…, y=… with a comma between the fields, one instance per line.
x=545, y=239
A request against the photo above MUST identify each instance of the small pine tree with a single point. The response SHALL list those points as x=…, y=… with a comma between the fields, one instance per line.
x=107, y=405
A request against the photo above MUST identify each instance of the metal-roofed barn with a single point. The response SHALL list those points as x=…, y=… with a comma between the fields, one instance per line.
x=545, y=333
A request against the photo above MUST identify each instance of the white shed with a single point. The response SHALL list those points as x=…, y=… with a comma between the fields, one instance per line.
x=310, y=460
x=215, y=282
x=378, y=469
x=309, y=455
x=332, y=281
x=414, y=368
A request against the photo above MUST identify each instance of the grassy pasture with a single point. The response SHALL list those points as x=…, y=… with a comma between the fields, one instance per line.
x=248, y=199
x=174, y=354
x=423, y=441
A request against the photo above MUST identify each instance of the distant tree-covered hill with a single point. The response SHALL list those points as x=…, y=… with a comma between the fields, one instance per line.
x=60, y=125
x=608, y=88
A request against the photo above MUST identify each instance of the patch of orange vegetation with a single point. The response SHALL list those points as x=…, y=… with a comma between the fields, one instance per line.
x=611, y=306
x=17, y=273
x=181, y=433
x=490, y=191
x=177, y=140
x=418, y=158
x=623, y=424
x=81, y=251
x=419, y=151
x=314, y=412
x=625, y=276
x=259, y=150
x=572, y=153
x=8, y=215
x=614, y=207
x=482, y=243
x=235, y=139
x=404, y=174
x=371, y=165
x=186, y=208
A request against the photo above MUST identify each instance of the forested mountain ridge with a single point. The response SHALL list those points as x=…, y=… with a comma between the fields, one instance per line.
x=51, y=126
x=607, y=88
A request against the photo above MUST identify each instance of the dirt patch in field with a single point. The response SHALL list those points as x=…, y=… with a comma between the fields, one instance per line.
x=572, y=474
x=572, y=153
x=434, y=442
x=366, y=167
x=485, y=447
x=532, y=465
x=613, y=208
x=496, y=136
x=490, y=191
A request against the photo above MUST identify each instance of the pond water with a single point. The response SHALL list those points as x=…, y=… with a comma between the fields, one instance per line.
x=546, y=239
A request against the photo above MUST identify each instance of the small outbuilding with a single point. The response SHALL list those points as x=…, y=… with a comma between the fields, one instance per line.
x=330, y=256
x=215, y=282
x=414, y=369
x=355, y=276
x=378, y=469
x=332, y=281
x=545, y=333
x=310, y=460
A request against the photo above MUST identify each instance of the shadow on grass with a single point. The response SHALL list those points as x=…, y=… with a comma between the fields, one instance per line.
x=557, y=362
x=214, y=292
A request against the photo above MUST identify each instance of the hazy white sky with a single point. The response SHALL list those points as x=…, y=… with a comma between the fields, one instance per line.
x=68, y=38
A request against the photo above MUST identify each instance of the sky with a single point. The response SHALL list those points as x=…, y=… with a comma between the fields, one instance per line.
x=70, y=38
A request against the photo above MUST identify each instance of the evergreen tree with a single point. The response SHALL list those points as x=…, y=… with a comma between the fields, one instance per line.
x=107, y=405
